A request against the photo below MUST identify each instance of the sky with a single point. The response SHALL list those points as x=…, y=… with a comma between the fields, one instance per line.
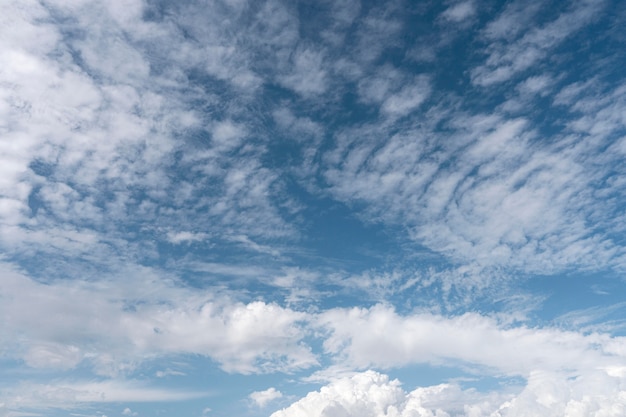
x=322, y=208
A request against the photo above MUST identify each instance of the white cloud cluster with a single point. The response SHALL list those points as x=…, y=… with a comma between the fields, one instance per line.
x=487, y=192
x=90, y=125
x=507, y=59
x=371, y=394
x=115, y=326
x=358, y=339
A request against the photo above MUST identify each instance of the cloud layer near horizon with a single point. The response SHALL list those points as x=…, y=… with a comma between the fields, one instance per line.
x=371, y=394
x=111, y=334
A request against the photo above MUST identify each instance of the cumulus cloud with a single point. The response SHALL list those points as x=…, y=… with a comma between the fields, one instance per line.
x=262, y=398
x=371, y=394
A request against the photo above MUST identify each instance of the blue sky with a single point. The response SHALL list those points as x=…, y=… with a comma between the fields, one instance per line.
x=321, y=208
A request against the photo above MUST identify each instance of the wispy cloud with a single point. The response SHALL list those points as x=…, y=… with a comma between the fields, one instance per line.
x=356, y=338
x=487, y=191
x=68, y=395
x=531, y=44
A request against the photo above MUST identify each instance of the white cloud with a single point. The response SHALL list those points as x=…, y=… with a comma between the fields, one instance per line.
x=115, y=325
x=184, y=237
x=53, y=355
x=307, y=76
x=168, y=372
x=357, y=339
x=539, y=84
x=262, y=398
x=371, y=394
x=408, y=98
x=506, y=60
x=108, y=121
x=487, y=193
x=460, y=12
x=248, y=243
x=376, y=32
x=128, y=412
x=515, y=17
x=376, y=87
x=68, y=395
x=227, y=134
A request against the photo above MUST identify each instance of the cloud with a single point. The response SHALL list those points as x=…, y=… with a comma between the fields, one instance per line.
x=407, y=99
x=371, y=394
x=488, y=192
x=356, y=339
x=376, y=32
x=308, y=75
x=459, y=12
x=507, y=59
x=262, y=398
x=115, y=326
x=185, y=237
x=68, y=395
x=168, y=372
x=97, y=129
x=261, y=337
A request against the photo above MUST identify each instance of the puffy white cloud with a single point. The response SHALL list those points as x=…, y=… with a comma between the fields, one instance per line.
x=262, y=398
x=371, y=394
